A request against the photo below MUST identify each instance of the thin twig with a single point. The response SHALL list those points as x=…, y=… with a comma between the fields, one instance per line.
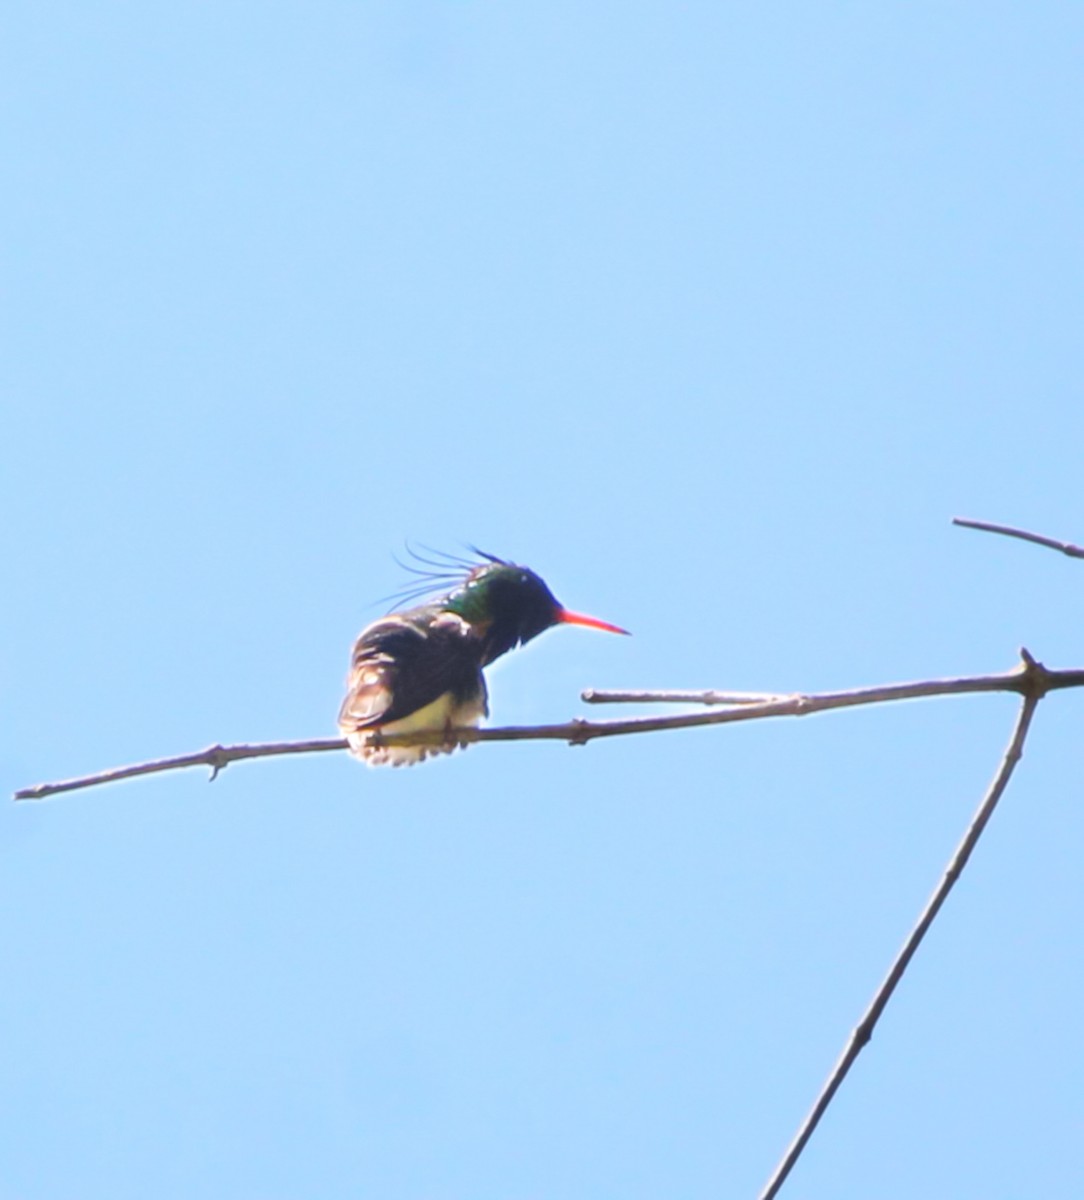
x=1023, y=535
x=863, y=1031
x=579, y=731
x=669, y=696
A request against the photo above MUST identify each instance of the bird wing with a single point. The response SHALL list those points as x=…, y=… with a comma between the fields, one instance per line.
x=400, y=665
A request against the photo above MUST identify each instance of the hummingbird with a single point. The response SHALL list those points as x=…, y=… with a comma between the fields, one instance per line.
x=421, y=669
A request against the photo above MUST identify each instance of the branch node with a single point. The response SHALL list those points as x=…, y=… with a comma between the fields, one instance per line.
x=217, y=759
x=580, y=734
x=863, y=1034
x=1035, y=679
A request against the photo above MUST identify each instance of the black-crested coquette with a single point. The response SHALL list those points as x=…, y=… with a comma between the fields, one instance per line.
x=421, y=669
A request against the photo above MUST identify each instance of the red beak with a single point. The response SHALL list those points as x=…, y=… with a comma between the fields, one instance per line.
x=564, y=617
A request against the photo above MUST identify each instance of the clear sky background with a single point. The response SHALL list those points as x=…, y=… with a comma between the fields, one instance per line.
x=713, y=314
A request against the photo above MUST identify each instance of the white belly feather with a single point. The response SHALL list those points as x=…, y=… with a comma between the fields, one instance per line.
x=443, y=713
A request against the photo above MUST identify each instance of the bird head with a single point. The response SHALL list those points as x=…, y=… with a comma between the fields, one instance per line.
x=509, y=605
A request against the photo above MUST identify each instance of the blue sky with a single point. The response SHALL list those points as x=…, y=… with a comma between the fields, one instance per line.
x=712, y=314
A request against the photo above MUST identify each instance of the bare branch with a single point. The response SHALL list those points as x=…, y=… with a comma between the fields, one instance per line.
x=215, y=757
x=1030, y=677
x=1023, y=535
x=863, y=1031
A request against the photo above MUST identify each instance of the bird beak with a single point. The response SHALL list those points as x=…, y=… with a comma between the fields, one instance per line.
x=564, y=617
